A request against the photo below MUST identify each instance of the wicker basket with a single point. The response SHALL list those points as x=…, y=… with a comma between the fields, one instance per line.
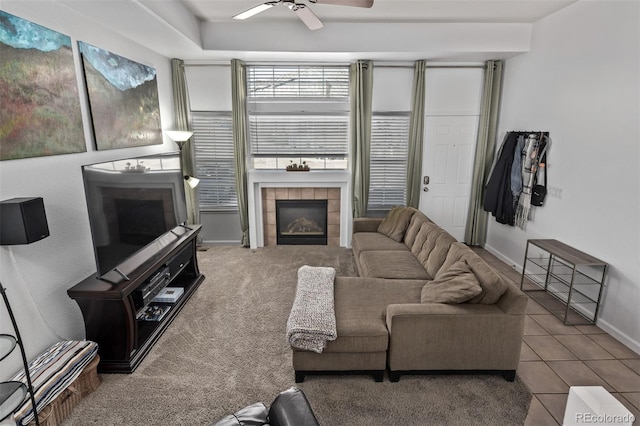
x=60, y=408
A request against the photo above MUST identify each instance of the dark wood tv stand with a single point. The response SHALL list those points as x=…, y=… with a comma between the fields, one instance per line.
x=108, y=303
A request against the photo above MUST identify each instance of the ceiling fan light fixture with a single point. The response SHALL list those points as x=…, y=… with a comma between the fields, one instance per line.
x=255, y=10
x=305, y=14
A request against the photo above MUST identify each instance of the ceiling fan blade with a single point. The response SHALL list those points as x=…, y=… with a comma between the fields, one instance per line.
x=353, y=3
x=255, y=10
x=307, y=16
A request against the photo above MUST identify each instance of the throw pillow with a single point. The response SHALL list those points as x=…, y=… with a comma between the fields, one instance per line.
x=457, y=285
x=396, y=223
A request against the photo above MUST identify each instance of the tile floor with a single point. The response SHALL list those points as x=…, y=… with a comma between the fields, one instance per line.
x=555, y=357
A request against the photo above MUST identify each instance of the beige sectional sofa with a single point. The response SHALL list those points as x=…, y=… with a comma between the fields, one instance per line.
x=423, y=303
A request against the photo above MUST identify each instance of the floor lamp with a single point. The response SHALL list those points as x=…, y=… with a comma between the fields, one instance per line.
x=180, y=137
x=22, y=221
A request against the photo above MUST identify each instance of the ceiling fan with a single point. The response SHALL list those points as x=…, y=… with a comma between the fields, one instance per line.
x=302, y=10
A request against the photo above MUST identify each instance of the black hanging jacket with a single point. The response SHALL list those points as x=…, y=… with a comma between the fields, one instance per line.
x=498, y=198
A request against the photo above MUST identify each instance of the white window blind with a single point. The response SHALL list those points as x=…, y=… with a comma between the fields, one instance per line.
x=389, y=150
x=298, y=113
x=299, y=135
x=215, y=164
x=298, y=81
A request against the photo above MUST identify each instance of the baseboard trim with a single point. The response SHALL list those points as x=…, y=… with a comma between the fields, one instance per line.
x=623, y=338
x=505, y=259
x=222, y=242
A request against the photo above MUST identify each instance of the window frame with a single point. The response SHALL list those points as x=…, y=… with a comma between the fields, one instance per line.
x=202, y=165
x=394, y=173
x=275, y=154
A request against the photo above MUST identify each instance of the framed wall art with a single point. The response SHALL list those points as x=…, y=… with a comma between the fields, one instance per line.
x=123, y=99
x=40, y=113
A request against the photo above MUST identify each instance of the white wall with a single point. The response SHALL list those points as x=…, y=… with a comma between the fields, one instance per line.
x=38, y=275
x=392, y=87
x=580, y=82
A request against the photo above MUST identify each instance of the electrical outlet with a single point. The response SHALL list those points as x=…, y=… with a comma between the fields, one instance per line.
x=555, y=192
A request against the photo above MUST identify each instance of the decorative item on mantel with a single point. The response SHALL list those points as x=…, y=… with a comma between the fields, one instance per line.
x=293, y=167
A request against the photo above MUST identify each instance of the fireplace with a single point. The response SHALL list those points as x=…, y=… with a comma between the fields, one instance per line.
x=301, y=222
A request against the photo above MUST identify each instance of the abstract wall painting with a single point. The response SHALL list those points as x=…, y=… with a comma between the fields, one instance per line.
x=40, y=113
x=123, y=99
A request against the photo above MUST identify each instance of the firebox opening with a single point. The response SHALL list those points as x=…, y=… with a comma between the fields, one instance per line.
x=301, y=222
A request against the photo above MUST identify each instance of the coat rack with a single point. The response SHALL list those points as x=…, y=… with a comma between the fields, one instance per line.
x=509, y=193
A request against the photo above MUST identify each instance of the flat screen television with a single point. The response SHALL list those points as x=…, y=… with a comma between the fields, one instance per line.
x=132, y=202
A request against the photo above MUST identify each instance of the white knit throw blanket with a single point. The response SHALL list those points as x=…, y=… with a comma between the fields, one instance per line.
x=312, y=321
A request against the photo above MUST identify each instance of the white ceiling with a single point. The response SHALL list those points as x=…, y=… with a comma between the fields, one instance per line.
x=203, y=30
x=518, y=11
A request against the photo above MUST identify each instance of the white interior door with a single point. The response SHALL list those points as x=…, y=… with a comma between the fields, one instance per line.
x=448, y=153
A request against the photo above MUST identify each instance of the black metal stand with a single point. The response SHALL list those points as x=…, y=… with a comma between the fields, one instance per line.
x=24, y=357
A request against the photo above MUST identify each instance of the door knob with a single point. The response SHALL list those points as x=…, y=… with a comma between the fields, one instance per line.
x=425, y=189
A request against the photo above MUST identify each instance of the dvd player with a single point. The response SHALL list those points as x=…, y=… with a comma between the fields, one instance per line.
x=143, y=294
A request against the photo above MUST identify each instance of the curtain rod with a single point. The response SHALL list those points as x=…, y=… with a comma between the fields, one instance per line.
x=202, y=64
x=427, y=66
x=206, y=64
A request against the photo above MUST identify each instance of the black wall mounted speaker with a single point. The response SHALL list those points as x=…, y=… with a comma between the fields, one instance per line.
x=22, y=221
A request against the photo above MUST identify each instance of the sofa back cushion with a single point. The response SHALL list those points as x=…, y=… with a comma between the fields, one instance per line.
x=457, y=251
x=420, y=238
x=416, y=222
x=431, y=246
x=457, y=285
x=396, y=222
x=492, y=283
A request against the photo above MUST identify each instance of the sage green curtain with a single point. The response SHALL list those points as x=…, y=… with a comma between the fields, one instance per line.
x=361, y=90
x=181, y=122
x=476, y=228
x=416, y=135
x=240, y=141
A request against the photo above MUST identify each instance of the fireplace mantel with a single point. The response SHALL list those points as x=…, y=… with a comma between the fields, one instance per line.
x=258, y=179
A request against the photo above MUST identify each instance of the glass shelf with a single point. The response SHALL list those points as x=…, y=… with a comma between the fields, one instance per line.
x=585, y=289
x=563, y=271
x=7, y=345
x=12, y=395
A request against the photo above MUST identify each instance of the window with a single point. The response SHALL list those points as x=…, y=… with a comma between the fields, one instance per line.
x=298, y=114
x=389, y=150
x=215, y=164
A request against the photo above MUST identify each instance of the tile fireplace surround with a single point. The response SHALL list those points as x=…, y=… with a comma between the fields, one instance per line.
x=265, y=186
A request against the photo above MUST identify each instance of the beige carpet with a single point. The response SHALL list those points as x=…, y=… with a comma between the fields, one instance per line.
x=227, y=349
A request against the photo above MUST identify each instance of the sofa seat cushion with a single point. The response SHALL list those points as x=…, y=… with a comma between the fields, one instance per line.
x=392, y=264
x=366, y=241
x=361, y=306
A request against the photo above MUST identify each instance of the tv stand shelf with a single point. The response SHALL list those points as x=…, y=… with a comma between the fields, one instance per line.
x=109, y=306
